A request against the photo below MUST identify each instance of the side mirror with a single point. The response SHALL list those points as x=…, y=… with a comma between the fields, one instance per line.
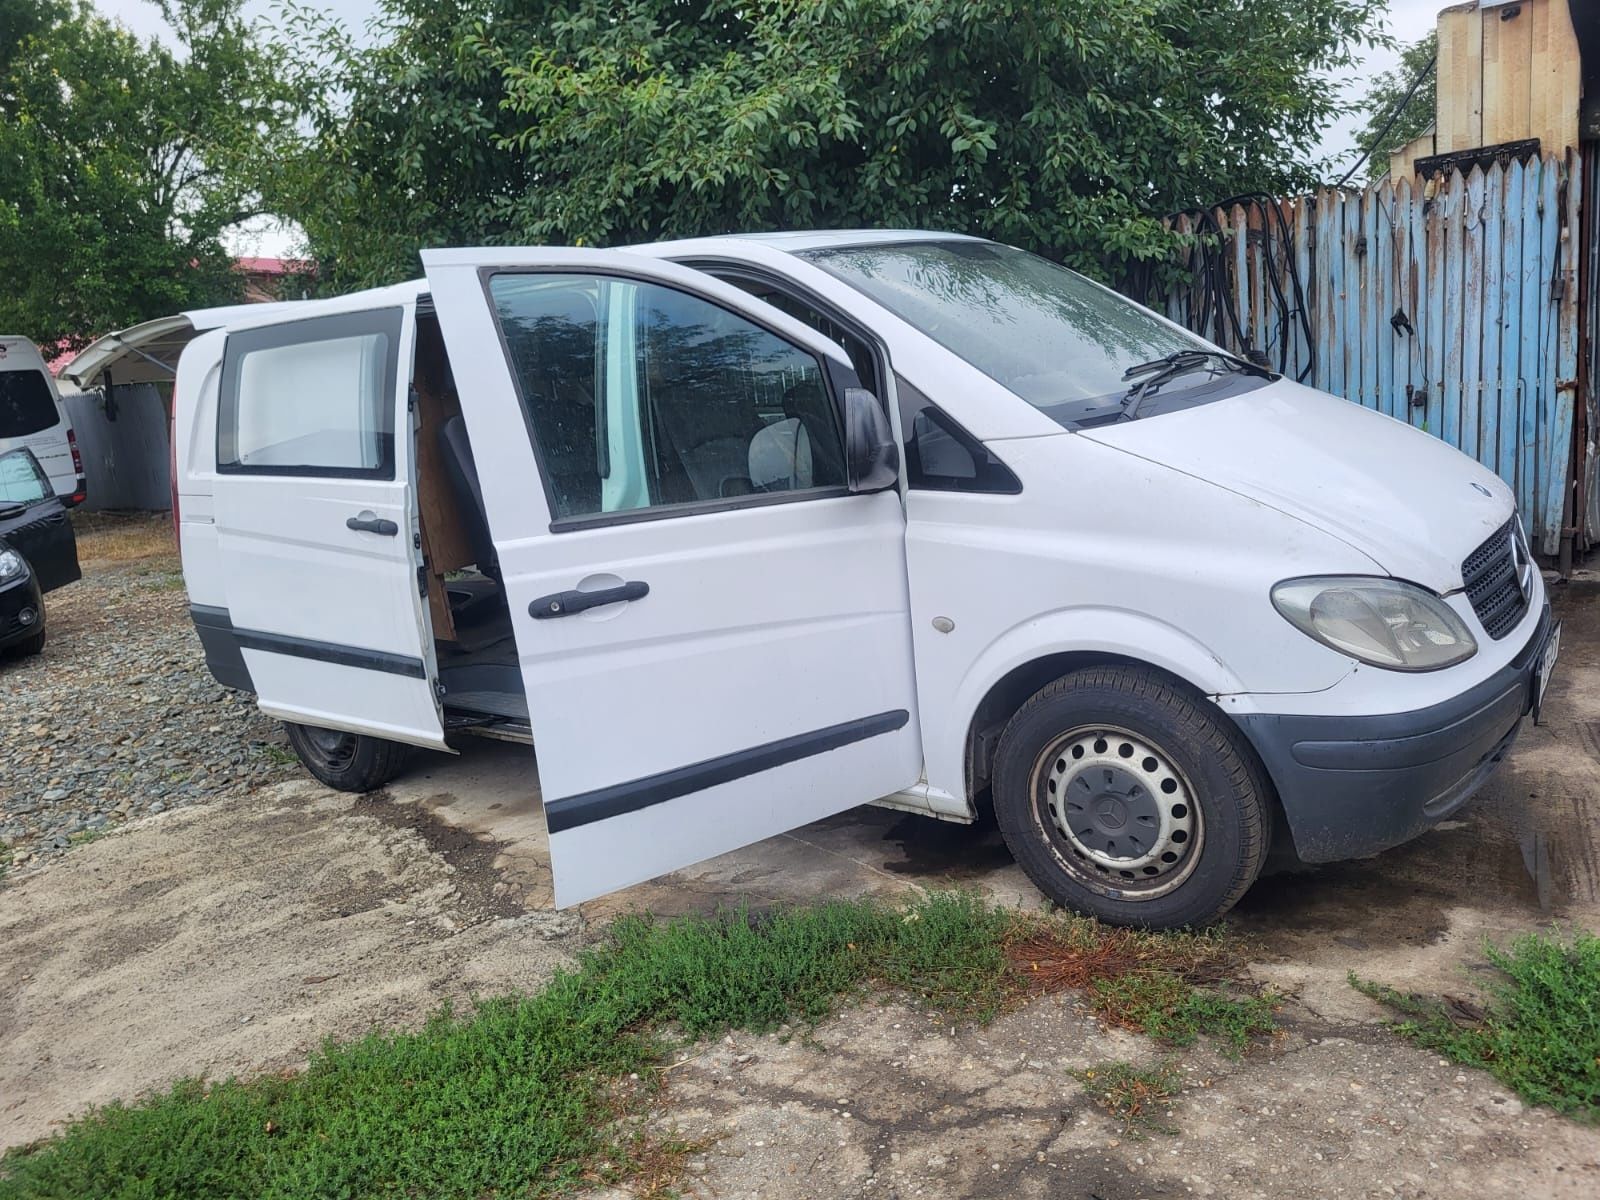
x=872, y=457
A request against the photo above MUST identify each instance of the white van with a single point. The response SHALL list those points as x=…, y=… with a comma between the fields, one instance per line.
x=33, y=416
x=746, y=531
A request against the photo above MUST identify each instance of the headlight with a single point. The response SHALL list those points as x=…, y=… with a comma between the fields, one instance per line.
x=11, y=564
x=1383, y=622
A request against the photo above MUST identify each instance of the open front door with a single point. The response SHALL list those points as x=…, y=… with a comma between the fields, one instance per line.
x=314, y=525
x=713, y=631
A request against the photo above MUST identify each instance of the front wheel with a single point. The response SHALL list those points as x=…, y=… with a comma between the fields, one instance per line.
x=351, y=762
x=1123, y=797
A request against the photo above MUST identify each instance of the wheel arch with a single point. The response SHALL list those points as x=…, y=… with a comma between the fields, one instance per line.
x=1029, y=656
x=1012, y=690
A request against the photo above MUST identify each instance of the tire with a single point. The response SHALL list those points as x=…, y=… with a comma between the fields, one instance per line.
x=1174, y=808
x=32, y=646
x=350, y=762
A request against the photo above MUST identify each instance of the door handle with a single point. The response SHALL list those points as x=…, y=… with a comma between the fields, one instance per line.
x=565, y=604
x=369, y=523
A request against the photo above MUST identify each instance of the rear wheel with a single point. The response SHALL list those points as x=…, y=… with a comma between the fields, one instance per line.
x=351, y=762
x=1123, y=797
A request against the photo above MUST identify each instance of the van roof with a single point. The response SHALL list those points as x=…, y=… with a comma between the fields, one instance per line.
x=18, y=353
x=245, y=316
x=149, y=351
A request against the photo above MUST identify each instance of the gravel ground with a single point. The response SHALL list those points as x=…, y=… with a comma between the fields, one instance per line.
x=119, y=717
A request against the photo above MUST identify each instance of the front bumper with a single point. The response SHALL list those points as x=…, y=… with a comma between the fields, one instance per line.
x=18, y=597
x=1352, y=786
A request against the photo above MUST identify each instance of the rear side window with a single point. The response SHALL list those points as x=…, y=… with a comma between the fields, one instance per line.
x=26, y=405
x=311, y=397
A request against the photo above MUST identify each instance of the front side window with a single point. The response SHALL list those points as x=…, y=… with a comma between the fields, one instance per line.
x=1062, y=343
x=311, y=397
x=21, y=480
x=26, y=405
x=640, y=396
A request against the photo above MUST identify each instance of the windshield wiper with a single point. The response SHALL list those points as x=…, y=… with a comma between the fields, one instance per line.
x=1179, y=362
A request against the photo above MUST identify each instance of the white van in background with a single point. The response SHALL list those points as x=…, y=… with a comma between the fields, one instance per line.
x=33, y=416
x=746, y=531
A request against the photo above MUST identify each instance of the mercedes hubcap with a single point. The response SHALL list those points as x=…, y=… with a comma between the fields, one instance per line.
x=1125, y=812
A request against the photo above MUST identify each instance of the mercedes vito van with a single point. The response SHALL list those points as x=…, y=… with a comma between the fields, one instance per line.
x=33, y=416
x=746, y=531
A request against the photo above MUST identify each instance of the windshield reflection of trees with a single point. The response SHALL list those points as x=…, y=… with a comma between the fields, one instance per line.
x=1016, y=316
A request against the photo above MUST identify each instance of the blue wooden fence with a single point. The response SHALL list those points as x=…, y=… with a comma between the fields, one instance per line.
x=1451, y=304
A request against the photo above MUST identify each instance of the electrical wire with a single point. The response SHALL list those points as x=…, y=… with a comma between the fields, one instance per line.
x=1389, y=124
x=1206, y=305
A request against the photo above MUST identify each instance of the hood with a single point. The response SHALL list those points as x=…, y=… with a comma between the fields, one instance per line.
x=1412, y=504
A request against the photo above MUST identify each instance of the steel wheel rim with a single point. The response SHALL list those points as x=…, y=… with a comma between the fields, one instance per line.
x=1118, y=811
x=334, y=750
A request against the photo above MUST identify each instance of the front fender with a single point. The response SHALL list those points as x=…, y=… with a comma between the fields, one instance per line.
x=1100, y=631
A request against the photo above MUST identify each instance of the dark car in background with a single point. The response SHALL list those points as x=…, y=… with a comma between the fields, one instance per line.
x=38, y=552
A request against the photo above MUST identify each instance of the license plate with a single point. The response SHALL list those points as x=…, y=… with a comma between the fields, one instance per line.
x=1547, y=663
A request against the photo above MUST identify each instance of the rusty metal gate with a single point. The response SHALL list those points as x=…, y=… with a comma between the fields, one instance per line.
x=1451, y=304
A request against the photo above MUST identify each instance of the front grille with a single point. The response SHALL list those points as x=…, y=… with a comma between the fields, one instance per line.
x=1492, y=575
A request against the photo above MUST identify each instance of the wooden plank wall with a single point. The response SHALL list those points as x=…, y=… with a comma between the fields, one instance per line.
x=1451, y=305
x=1506, y=72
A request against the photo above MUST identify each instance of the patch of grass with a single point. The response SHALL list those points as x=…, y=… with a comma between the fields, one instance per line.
x=522, y=1096
x=6, y=855
x=163, y=581
x=281, y=755
x=84, y=836
x=124, y=537
x=1160, y=984
x=1170, y=1009
x=536, y=1095
x=1138, y=1097
x=1539, y=1035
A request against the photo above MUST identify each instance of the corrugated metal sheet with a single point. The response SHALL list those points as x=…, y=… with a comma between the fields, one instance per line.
x=124, y=447
x=1452, y=305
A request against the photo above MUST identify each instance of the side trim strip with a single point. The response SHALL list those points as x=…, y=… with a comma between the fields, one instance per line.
x=333, y=652
x=603, y=803
x=208, y=617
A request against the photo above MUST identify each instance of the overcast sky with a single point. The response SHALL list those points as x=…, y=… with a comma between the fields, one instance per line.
x=1408, y=21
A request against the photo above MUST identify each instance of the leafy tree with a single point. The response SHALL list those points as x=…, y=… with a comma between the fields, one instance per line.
x=121, y=162
x=1384, y=98
x=1069, y=126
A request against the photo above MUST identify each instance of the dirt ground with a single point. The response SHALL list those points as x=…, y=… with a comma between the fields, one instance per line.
x=230, y=937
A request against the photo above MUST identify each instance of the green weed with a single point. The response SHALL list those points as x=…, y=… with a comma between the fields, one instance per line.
x=280, y=755
x=1170, y=1009
x=1165, y=985
x=1138, y=1097
x=1540, y=1033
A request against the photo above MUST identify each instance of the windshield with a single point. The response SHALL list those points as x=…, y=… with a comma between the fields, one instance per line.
x=1046, y=333
x=21, y=480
